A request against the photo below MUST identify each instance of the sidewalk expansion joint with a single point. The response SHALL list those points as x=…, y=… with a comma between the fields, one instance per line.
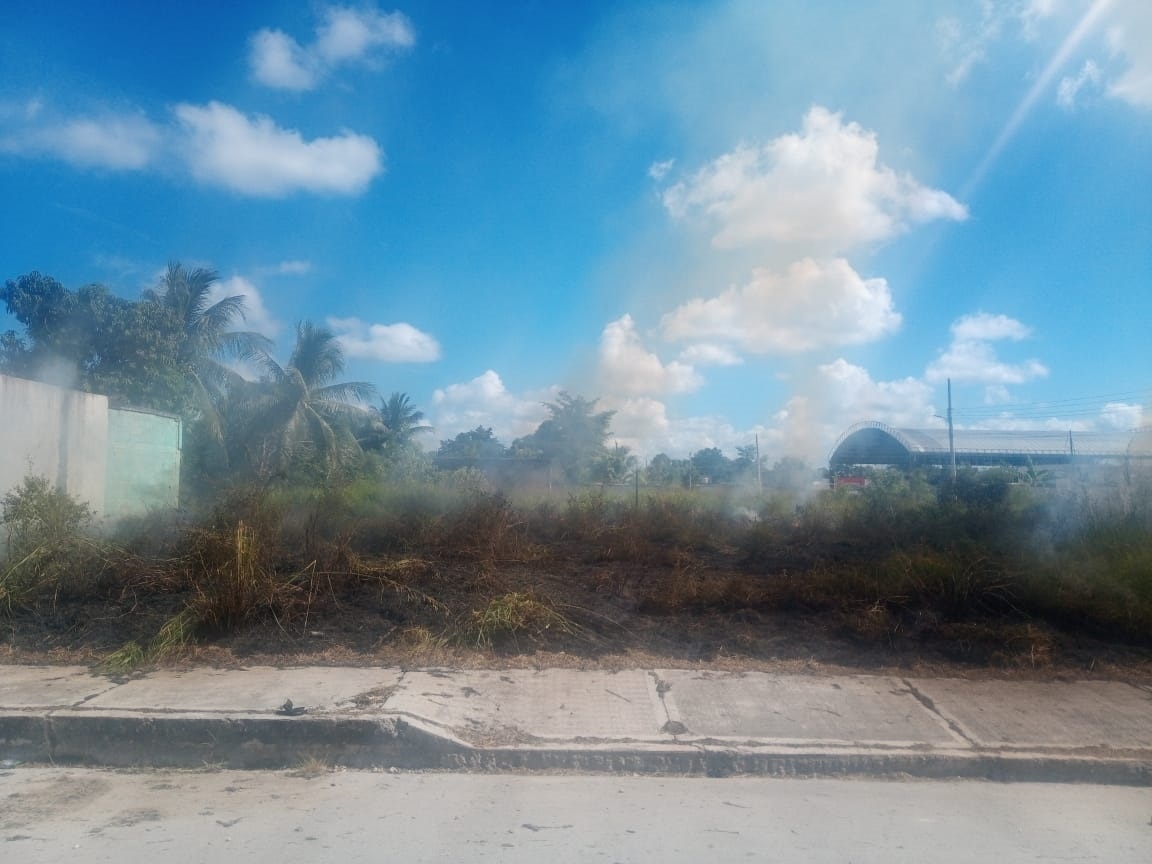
x=930, y=706
x=92, y=696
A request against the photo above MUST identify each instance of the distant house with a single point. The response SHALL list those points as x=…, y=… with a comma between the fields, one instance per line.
x=121, y=461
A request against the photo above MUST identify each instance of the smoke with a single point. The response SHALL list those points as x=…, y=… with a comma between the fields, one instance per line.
x=58, y=372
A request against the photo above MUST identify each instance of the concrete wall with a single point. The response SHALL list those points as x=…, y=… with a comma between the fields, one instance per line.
x=120, y=461
x=143, y=462
x=60, y=434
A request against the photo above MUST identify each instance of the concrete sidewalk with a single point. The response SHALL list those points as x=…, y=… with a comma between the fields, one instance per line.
x=644, y=721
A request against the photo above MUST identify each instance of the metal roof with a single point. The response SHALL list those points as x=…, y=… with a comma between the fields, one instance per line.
x=874, y=443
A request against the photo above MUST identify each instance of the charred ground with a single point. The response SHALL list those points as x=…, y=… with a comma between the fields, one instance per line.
x=970, y=580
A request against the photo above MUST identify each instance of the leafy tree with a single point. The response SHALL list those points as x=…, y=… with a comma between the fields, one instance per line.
x=663, y=470
x=299, y=414
x=572, y=438
x=468, y=449
x=15, y=355
x=790, y=472
x=163, y=352
x=48, y=312
x=94, y=341
x=711, y=466
x=614, y=465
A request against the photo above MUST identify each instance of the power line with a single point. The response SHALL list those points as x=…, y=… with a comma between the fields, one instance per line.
x=1079, y=406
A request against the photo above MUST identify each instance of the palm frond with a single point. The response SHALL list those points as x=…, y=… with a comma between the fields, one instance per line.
x=218, y=317
x=348, y=391
x=317, y=355
x=244, y=345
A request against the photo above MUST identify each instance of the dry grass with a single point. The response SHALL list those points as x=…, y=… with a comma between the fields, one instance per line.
x=311, y=767
x=404, y=573
x=512, y=617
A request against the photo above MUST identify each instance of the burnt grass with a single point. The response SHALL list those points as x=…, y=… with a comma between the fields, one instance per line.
x=473, y=579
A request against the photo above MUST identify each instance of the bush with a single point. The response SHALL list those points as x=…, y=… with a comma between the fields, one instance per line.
x=35, y=514
x=46, y=541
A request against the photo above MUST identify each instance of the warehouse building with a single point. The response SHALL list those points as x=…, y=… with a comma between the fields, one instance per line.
x=875, y=443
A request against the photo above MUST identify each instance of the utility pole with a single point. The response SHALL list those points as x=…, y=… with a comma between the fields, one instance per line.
x=951, y=438
x=759, y=480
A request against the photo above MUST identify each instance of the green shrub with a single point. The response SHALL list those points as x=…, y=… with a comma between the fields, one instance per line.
x=47, y=543
x=35, y=514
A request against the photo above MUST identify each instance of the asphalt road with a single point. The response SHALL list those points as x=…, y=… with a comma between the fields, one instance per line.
x=60, y=814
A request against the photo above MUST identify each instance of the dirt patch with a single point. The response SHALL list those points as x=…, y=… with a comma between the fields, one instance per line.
x=49, y=797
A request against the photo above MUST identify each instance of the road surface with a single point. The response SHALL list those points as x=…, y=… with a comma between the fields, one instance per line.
x=132, y=817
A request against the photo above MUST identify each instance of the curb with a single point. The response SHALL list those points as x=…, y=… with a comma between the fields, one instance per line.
x=182, y=740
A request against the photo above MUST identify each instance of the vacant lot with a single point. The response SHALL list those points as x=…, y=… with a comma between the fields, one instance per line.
x=983, y=578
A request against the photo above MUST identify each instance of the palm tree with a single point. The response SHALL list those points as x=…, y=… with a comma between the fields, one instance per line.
x=299, y=411
x=395, y=422
x=207, y=337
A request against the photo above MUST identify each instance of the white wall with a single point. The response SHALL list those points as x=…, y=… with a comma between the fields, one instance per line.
x=60, y=434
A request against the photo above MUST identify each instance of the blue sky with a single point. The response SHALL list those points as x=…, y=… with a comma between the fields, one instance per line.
x=724, y=219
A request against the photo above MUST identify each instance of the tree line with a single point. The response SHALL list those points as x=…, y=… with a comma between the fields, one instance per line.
x=177, y=350
x=480, y=449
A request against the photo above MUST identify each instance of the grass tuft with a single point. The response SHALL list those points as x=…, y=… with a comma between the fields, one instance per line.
x=513, y=616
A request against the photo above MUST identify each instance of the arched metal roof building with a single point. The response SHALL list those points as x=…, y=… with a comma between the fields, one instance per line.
x=874, y=443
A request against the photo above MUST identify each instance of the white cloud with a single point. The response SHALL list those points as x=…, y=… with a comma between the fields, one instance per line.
x=277, y=60
x=983, y=327
x=215, y=142
x=351, y=34
x=1130, y=37
x=127, y=141
x=116, y=141
x=996, y=394
x=1070, y=87
x=971, y=358
x=815, y=304
x=256, y=157
x=1121, y=415
x=257, y=318
x=294, y=267
x=851, y=394
x=1033, y=12
x=389, y=343
x=485, y=401
x=1113, y=417
x=838, y=395
x=709, y=354
x=841, y=394
x=1127, y=34
x=642, y=424
x=346, y=35
x=976, y=362
x=963, y=47
x=626, y=367
x=822, y=189
x=659, y=170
